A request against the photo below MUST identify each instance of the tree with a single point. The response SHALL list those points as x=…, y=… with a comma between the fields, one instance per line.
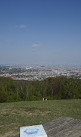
x=3, y=96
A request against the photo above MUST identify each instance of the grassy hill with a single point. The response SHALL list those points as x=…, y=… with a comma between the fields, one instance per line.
x=25, y=113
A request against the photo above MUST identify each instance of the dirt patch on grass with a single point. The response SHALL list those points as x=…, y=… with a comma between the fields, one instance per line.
x=5, y=111
x=25, y=112
x=32, y=113
x=42, y=113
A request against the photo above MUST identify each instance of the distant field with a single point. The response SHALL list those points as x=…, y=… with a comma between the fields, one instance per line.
x=14, y=115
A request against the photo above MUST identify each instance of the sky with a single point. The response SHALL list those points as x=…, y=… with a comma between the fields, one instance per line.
x=40, y=32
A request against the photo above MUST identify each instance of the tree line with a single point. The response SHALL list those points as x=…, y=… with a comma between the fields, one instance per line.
x=50, y=88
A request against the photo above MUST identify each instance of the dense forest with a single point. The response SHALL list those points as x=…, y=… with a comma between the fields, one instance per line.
x=50, y=88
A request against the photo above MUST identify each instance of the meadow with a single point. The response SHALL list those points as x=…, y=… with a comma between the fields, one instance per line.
x=25, y=113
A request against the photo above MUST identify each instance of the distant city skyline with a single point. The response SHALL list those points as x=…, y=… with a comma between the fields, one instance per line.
x=42, y=32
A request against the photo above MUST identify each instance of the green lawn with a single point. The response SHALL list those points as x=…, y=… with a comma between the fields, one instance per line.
x=17, y=114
